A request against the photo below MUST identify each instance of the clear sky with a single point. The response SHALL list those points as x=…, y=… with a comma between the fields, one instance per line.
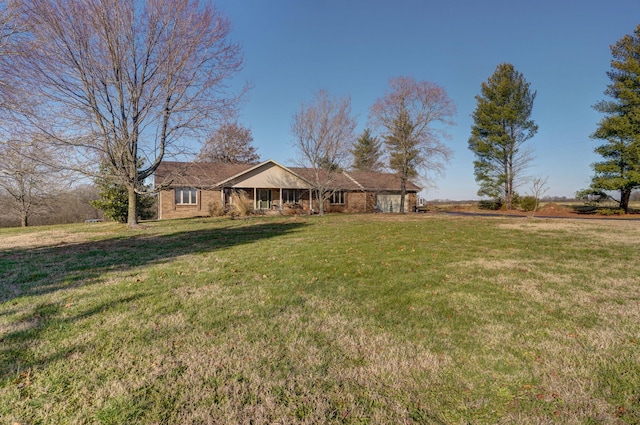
x=352, y=48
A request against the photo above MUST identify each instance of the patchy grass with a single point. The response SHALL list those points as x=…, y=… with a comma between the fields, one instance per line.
x=337, y=319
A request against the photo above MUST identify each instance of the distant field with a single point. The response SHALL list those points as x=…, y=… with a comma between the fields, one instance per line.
x=545, y=207
x=346, y=319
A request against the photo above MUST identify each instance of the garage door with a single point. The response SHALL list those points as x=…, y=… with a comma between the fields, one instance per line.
x=390, y=203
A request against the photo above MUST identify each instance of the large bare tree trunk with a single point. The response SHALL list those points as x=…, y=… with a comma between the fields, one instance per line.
x=320, y=202
x=132, y=215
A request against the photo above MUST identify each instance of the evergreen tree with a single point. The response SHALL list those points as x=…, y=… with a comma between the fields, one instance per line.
x=367, y=152
x=404, y=151
x=502, y=124
x=620, y=128
x=114, y=200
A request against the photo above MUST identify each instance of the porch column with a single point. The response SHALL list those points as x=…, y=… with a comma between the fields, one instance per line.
x=255, y=196
x=280, y=199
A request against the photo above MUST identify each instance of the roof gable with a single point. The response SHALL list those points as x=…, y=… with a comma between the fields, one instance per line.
x=267, y=175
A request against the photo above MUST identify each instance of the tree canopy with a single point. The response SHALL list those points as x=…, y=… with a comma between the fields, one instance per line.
x=124, y=82
x=411, y=117
x=230, y=144
x=502, y=125
x=619, y=169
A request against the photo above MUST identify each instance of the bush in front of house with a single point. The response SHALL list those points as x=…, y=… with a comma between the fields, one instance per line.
x=216, y=209
x=241, y=205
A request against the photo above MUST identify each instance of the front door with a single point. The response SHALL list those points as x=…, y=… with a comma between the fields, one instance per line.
x=264, y=199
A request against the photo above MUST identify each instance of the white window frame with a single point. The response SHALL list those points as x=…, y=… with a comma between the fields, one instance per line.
x=337, y=198
x=186, y=196
x=291, y=196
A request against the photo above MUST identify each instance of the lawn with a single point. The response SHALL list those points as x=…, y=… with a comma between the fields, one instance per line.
x=338, y=319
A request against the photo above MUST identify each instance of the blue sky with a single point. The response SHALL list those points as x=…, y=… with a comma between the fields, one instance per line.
x=293, y=48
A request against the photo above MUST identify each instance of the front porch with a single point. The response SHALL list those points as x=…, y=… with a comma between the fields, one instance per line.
x=269, y=199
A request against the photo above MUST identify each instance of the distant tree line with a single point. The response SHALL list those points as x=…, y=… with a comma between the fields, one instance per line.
x=71, y=205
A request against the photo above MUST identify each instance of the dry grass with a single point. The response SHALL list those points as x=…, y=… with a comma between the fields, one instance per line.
x=600, y=231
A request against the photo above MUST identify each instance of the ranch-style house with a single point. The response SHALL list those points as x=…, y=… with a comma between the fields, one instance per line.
x=191, y=189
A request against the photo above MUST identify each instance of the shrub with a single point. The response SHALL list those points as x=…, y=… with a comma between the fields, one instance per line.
x=490, y=204
x=241, y=205
x=292, y=209
x=610, y=211
x=516, y=199
x=216, y=209
x=528, y=203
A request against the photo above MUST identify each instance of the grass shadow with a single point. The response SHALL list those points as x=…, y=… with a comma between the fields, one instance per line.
x=29, y=271
x=16, y=352
x=33, y=272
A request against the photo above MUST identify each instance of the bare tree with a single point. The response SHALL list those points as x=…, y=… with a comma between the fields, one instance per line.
x=411, y=116
x=323, y=132
x=230, y=144
x=9, y=32
x=126, y=83
x=28, y=179
x=538, y=188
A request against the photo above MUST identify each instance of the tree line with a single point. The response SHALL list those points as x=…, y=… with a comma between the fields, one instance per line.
x=108, y=89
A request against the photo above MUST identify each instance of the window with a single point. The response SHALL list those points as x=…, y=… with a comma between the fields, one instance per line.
x=337, y=197
x=186, y=196
x=290, y=196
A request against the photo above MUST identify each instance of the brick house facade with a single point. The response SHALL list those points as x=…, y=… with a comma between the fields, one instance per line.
x=191, y=189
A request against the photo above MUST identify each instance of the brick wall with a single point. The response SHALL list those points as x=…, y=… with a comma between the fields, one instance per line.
x=169, y=209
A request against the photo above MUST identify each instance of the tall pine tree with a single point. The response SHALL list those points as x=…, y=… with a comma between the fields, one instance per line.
x=620, y=128
x=367, y=153
x=502, y=124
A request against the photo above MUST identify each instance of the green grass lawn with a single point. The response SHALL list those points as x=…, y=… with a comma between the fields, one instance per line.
x=337, y=319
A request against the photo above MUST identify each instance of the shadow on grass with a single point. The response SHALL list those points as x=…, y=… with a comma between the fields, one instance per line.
x=40, y=271
x=16, y=355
